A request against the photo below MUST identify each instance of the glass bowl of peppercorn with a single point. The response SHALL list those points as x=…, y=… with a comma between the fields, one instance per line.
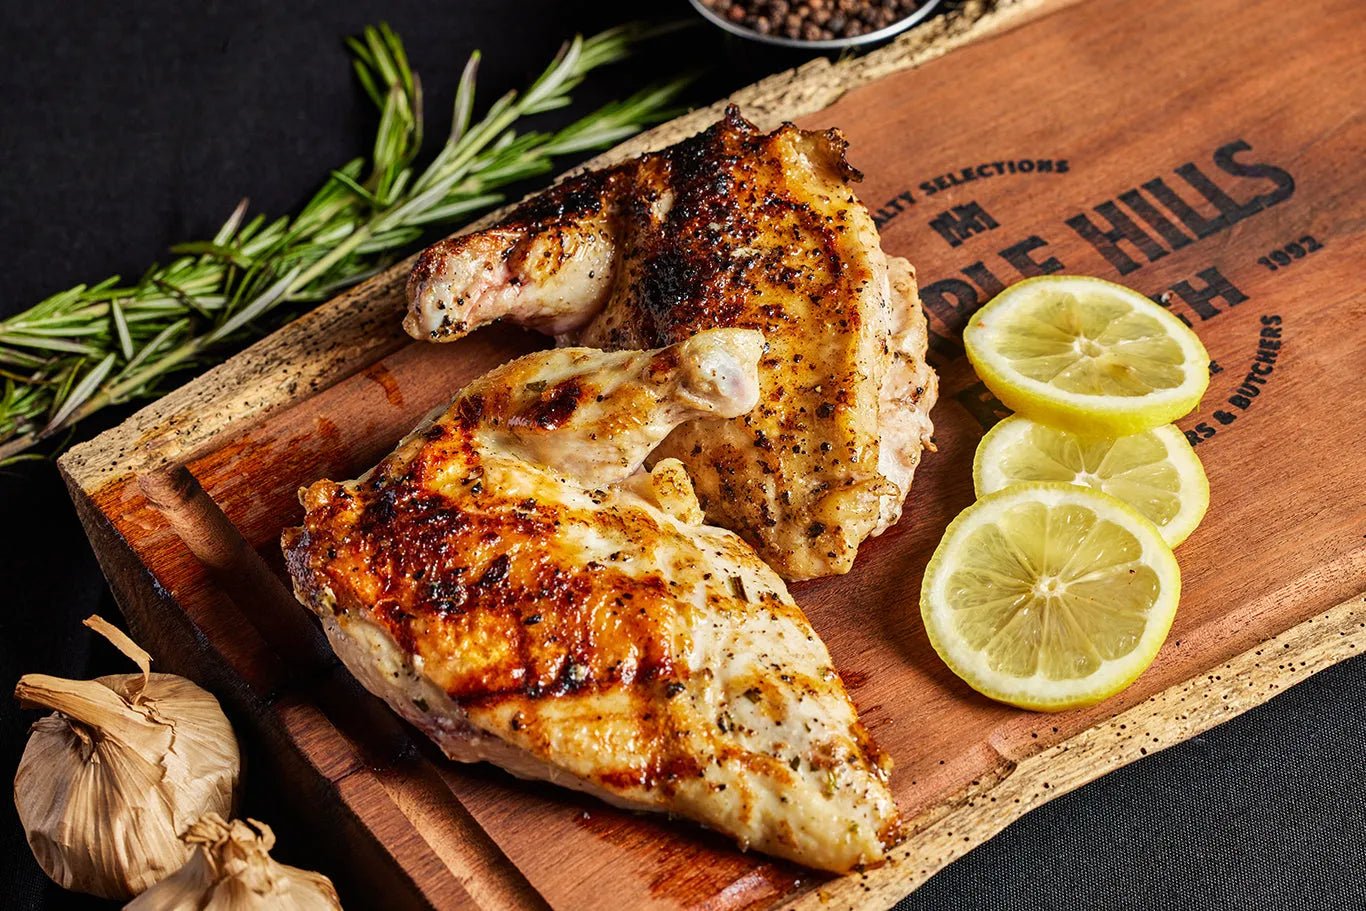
x=815, y=24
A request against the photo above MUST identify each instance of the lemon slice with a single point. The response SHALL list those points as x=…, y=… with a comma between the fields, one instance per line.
x=1156, y=471
x=1086, y=355
x=1049, y=596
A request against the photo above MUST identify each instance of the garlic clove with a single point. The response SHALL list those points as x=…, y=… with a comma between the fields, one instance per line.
x=232, y=870
x=110, y=781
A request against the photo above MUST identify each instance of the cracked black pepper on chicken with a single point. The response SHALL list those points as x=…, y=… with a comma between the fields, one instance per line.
x=738, y=228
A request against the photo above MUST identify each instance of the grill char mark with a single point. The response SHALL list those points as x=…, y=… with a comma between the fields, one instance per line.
x=452, y=572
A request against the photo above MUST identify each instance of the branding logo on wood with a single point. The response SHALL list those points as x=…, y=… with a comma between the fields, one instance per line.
x=1152, y=219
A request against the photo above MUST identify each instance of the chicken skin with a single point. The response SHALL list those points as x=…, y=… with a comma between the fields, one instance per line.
x=512, y=583
x=731, y=228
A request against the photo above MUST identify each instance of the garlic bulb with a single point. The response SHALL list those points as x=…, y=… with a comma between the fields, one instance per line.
x=232, y=870
x=110, y=782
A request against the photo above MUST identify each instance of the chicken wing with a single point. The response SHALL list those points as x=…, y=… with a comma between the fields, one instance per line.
x=733, y=227
x=511, y=583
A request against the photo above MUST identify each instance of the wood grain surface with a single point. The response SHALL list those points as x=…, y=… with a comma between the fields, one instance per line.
x=1206, y=152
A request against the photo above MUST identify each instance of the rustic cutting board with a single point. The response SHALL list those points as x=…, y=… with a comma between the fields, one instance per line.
x=1207, y=152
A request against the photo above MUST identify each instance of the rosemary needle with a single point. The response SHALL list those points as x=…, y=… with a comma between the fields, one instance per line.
x=93, y=346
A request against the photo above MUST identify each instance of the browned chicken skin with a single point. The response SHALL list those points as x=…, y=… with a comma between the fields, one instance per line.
x=732, y=227
x=512, y=584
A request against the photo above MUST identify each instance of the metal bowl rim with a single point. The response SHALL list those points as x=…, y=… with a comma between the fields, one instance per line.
x=897, y=27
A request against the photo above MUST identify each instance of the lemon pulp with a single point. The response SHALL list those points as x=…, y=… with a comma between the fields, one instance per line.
x=1097, y=347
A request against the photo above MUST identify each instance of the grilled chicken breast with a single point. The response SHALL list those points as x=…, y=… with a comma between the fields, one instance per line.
x=738, y=228
x=513, y=584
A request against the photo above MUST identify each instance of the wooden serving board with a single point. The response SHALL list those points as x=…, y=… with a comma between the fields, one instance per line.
x=1218, y=144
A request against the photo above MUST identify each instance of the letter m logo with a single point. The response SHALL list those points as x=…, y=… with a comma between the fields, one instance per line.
x=961, y=222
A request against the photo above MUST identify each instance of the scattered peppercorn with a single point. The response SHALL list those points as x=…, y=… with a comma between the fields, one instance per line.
x=813, y=20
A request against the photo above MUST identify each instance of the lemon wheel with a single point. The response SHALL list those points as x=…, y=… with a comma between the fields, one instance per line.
x=1086, y=355
x=1049, y=596
x=1156, y=471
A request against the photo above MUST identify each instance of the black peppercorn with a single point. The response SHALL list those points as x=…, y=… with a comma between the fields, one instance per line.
x=813, y=20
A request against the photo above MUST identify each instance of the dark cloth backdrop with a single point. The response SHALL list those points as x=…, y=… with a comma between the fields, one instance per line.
x=126, y=127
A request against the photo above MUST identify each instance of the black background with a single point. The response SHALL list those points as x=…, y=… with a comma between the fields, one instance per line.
x=126, y=127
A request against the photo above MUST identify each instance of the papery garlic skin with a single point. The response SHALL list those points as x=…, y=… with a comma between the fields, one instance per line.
x=110, y=782
x=232, y=870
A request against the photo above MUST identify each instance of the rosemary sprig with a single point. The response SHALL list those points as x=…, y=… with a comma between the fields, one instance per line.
x=93, y=346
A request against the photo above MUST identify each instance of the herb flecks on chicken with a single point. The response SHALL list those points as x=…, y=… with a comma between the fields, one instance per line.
x=732, y=227
x=512, y=584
